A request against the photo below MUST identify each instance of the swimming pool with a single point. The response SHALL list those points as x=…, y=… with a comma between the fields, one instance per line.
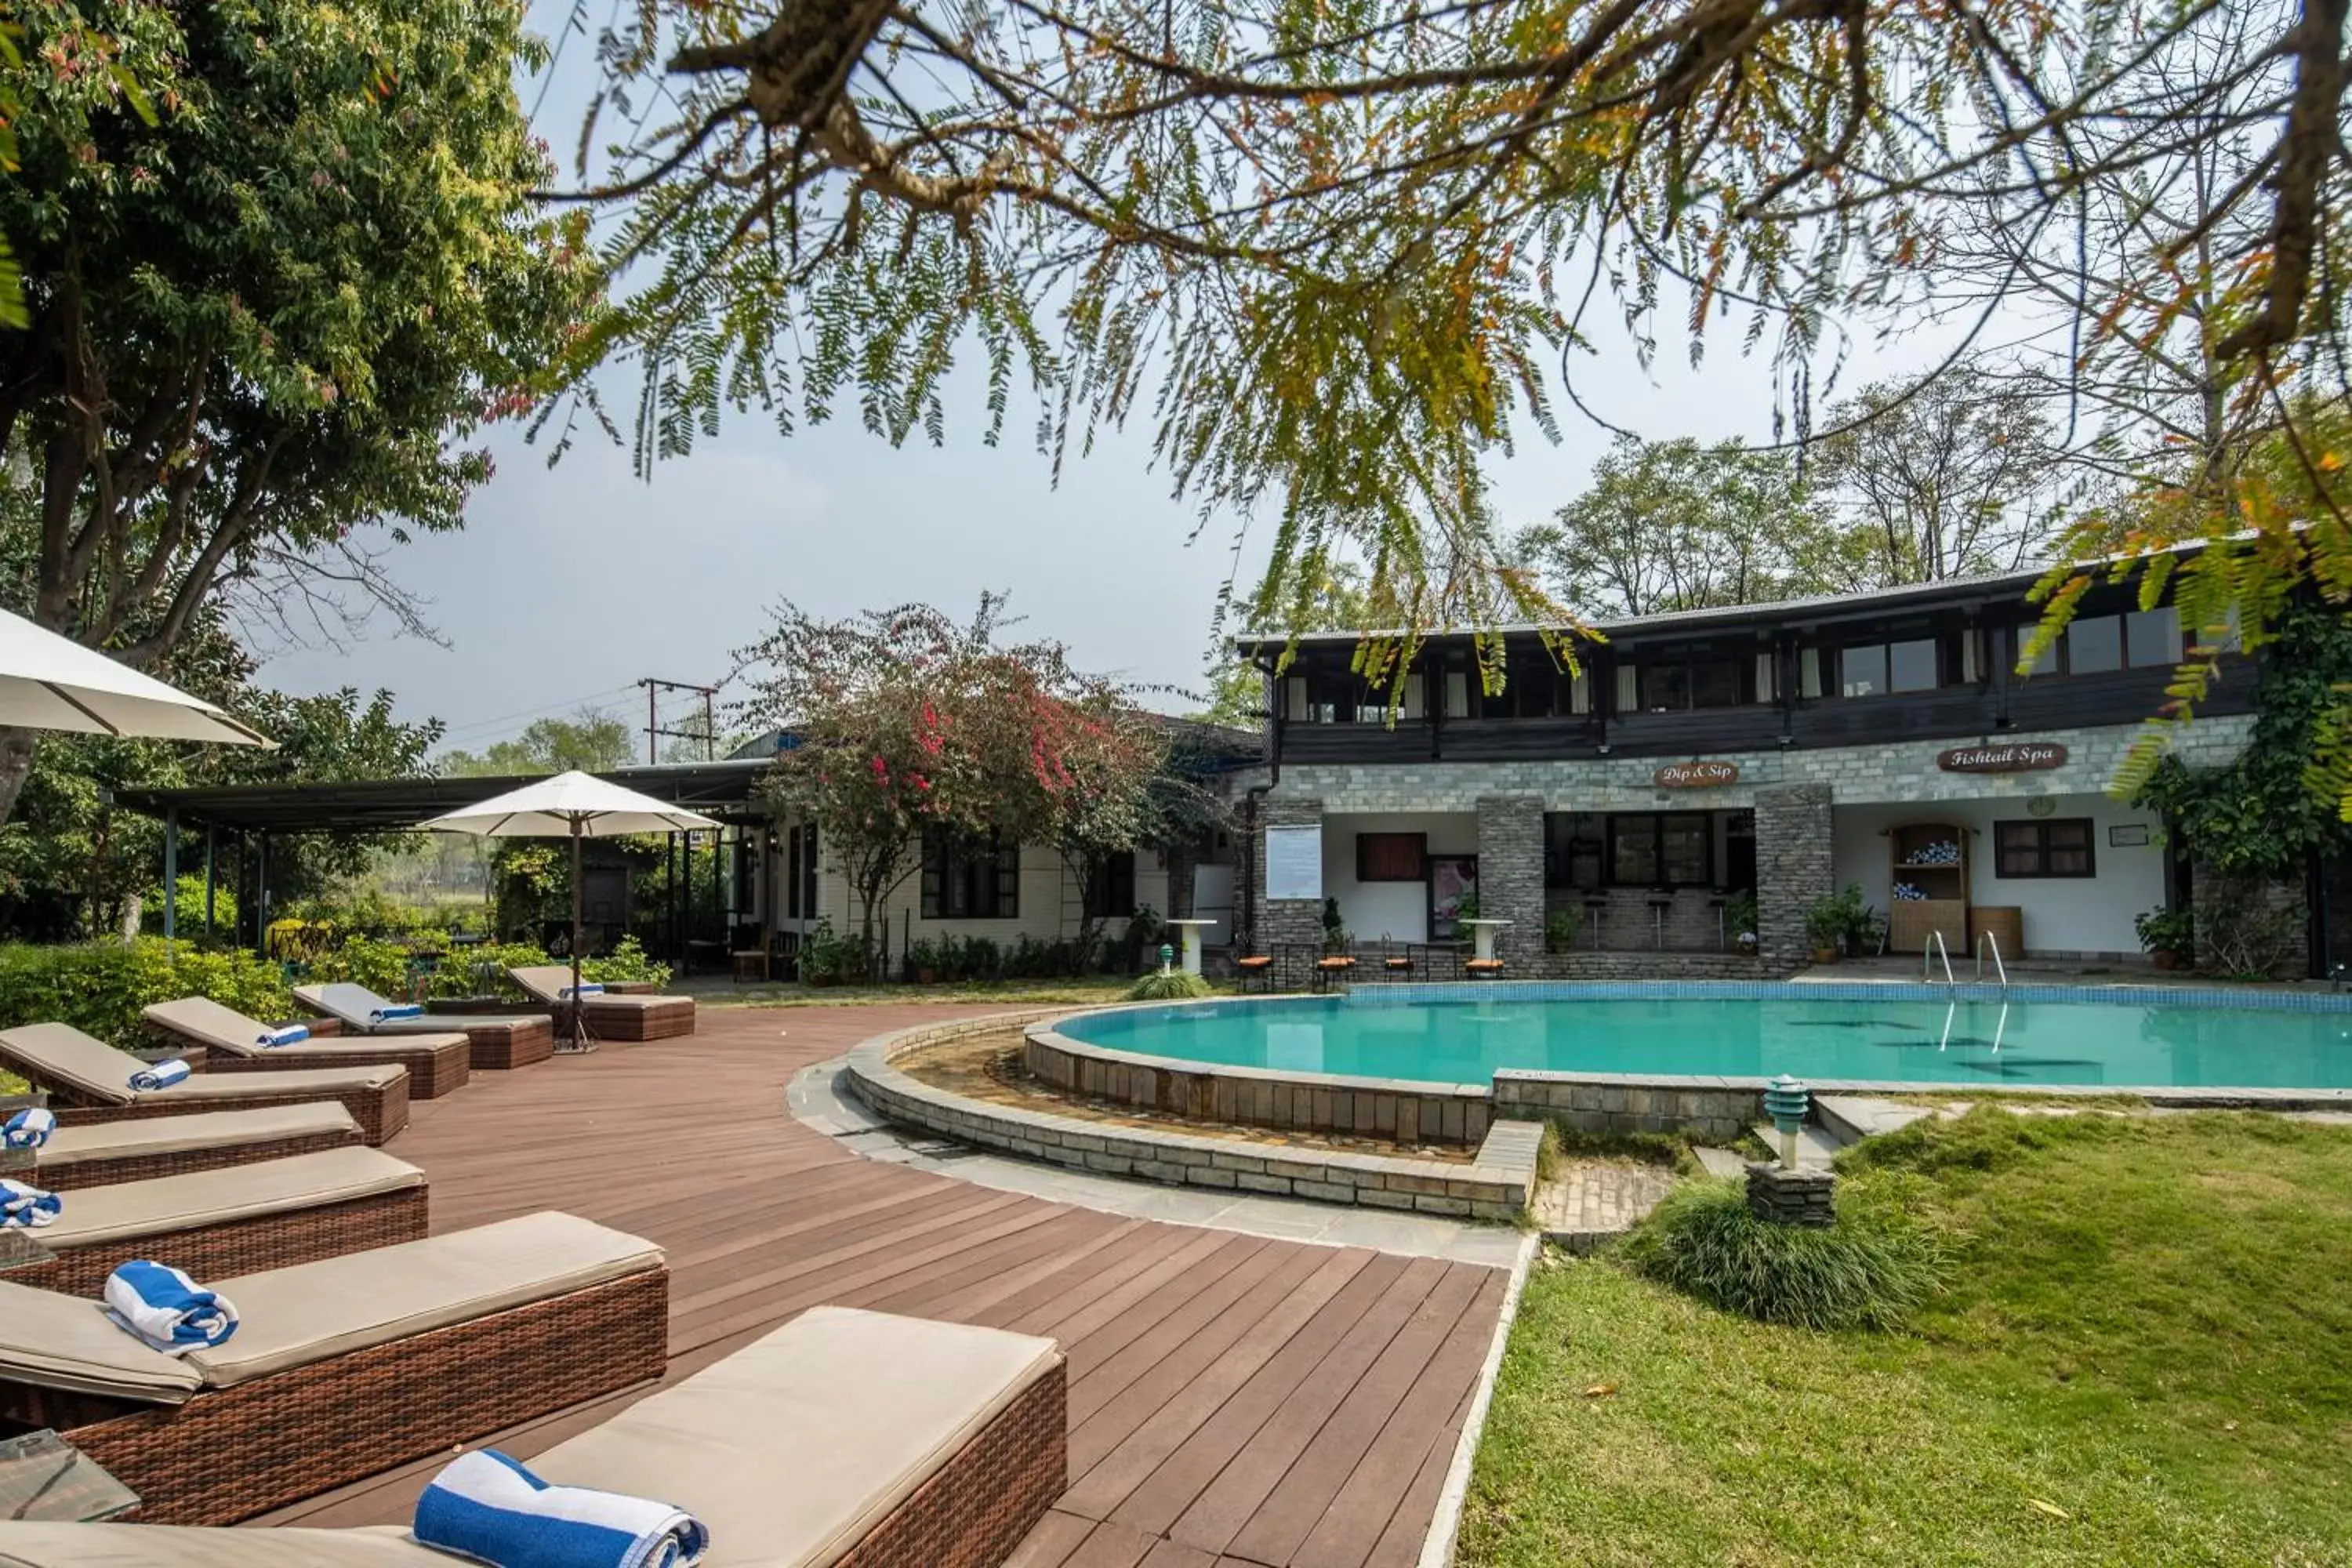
x=2121, y=1037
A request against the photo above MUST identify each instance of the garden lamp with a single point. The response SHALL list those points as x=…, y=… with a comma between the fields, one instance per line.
x=1786, y=1101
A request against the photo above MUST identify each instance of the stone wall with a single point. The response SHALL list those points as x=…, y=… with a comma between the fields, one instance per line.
x=1285, y=921
x=2279, y=906
x=1793, y=847
x=1511, y=872
x=1598, y=1104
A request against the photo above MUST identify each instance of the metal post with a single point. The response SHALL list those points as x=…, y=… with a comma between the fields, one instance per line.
x=261, y=898
x=170, y=875
x=209, y=889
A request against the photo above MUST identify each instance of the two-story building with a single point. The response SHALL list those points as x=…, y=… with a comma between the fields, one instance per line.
x=1886, y=741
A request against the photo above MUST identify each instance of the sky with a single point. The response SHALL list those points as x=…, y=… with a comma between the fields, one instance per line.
x=570, y=585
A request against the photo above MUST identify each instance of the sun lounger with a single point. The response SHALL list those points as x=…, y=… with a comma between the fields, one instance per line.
x=436, y=1063
x=338, y=1370
x=89, y=1082
x=500, y=1041
x=844, y=1439
x=609, y=1017
x=234, y=1221
x=152, y=1147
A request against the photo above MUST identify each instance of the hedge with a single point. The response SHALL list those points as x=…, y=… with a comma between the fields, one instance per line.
x=101, y=987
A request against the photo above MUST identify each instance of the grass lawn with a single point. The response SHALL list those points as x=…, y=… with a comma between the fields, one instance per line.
x=720, y=993
x=2144, y=1355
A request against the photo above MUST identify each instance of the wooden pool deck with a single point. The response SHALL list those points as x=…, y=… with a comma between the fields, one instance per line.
x=1235, y=1402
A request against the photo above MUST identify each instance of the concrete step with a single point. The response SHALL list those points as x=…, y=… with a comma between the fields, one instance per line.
x=1720, y=1162
x=1815, y=1147
x=1851, y=1118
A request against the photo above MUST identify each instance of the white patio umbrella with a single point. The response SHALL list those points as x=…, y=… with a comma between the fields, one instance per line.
x=50, y=682
x=575, y=805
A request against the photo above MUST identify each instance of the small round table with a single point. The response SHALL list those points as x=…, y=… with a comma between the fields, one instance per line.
x=1482, y=936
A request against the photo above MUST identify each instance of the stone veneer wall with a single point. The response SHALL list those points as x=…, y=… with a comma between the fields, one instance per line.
x=2207, y=887
x=1284, y=921
x=1596, y=1103
x=1511, y=872
x=1408, y=1111
x=1793, y=847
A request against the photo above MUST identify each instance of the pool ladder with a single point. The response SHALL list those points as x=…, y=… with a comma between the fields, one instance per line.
x=1986, y=939
x=1927, y=957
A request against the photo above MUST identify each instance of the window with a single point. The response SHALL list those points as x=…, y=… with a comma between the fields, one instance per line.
x=2152, y=637
x=1392, y=856
x=1873, y=669
x=2058, y=848
x=2095, y=645
x=1675, y=683
x=1110, y=887
x=800, y=871
x=1661, y=849
x=1573, y=850
x=978, y=879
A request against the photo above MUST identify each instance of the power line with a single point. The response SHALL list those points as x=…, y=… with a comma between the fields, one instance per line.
x=488, y=729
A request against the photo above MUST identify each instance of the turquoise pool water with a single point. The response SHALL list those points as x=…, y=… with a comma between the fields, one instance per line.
x=1914, y=1035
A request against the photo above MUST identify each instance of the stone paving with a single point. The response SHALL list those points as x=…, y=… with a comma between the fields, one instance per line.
x=1590, y=1201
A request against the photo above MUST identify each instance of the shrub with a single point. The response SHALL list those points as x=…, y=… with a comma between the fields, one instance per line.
x=190, y=914
x=101, y=987
x=627, y=960
x=1872, y=1269
x=1175, y=985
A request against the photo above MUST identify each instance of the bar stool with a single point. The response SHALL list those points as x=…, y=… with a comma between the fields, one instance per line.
x=1720, y=901
x=1596, y=909
x=1255, y=966
x=1660, y=902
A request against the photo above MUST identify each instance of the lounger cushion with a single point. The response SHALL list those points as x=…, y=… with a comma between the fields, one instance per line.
x=795, y=1447
x=547, y=982
x=128, y=1209
x=66, y=1341
x=203, y=1130
x=61, y=1053
x=352, y=1003
x=225, y=1030
x=293, y=1317
x=176, y=1546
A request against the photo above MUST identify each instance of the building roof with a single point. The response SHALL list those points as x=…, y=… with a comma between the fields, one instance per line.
x=720, y=789
x=1952, y=593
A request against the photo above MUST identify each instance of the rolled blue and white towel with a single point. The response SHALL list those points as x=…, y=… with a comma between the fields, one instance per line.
x=391, y=1010
x=588, y=988
x=166, y=1309
x=284, y=1035
x=163, y=1075
x=487, y=1506
x=28, y=1208
x=28, y=1128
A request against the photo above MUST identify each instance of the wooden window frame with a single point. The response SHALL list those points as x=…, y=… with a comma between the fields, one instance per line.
x=2038, y=829
x=1364, y=873
x=954, y=871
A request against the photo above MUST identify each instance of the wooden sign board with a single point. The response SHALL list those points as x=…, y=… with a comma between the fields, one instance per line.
x=2008, y=757
x=1695, y=775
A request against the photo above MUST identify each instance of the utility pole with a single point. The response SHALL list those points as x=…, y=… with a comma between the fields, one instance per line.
x=654, y=728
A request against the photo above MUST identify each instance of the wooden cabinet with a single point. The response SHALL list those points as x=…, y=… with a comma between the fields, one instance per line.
x=1930, y=859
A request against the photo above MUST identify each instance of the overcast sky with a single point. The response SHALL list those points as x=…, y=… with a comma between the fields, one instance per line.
x=569, y=584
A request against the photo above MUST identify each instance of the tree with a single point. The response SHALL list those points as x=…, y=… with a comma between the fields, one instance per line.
x=262, y=327
x=592, y=741
x=1951, y=476
x=1673, y=525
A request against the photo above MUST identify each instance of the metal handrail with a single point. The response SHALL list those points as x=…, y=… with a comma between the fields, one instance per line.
x=1928, y=969
x=1997, y=966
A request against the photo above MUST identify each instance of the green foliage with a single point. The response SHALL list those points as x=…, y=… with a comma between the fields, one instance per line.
x=1172, y=985
x=99, y=988
x=2259, y=816
x=1843, y=919
x=1561, y=928
x=1739, y=918
x=1872, y=1269
x=828, y=959
x=2162, y=930
x=190, y=913
x=627, y=960
x=591, y=740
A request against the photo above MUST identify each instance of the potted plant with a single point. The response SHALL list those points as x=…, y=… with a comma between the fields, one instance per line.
x=1561, y=928
x=1335, y=938
x=2168, y=935
x=1739, y=918
x=1841, y=922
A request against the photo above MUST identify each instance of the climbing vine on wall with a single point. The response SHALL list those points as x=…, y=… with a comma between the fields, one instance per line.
x=2259, y=816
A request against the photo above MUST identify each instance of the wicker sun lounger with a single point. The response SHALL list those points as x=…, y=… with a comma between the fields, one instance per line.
x=338, y=1370
x=152, y=1147
x=234, y=1221
x=609, y=1017
x=438, y=1064
x=844, y=1439
x=89, y=1080
x=500, y=1041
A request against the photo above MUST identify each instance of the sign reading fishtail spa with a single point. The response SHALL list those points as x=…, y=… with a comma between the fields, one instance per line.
x=2006, y=757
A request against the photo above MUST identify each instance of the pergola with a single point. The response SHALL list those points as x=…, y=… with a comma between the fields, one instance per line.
x=252, y=814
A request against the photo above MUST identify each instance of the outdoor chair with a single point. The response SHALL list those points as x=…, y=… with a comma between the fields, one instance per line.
x=842, y=1440
x=89, y=1080
x=608, y=1017
x=1257, y=966
x=233, y=1221
x=501, y=1041
x=1483, y=968
x=155, y=1147
x=1332, y=968
x=339, y=1369
x=438, y=1064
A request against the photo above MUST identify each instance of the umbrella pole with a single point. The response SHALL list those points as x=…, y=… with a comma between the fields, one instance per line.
x=579, y=1007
